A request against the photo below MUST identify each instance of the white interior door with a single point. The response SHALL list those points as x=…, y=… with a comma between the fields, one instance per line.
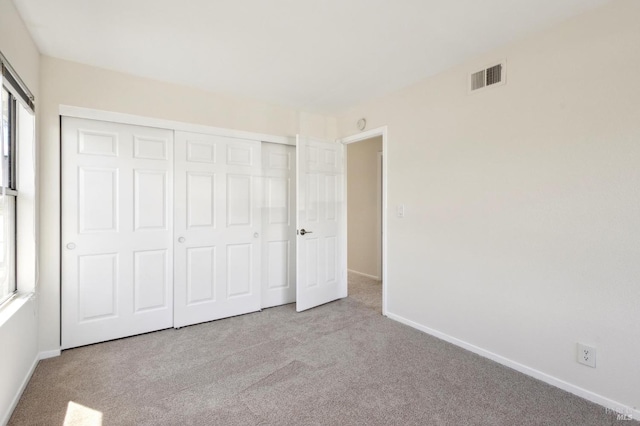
x=117, y=257
x=217, y=227
x=321, y=255
x=278, y=225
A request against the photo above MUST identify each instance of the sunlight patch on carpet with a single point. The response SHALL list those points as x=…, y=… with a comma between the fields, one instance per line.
x=78, y=414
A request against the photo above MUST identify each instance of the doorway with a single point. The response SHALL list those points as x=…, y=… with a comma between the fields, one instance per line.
x=365, y=173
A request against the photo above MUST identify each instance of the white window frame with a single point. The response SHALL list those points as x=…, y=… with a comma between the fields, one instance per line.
x=20, y=189
x=8, y=197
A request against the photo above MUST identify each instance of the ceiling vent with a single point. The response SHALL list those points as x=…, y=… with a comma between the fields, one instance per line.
x=492, y=76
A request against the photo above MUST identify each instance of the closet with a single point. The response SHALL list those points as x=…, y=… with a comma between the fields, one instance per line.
x=167, y=228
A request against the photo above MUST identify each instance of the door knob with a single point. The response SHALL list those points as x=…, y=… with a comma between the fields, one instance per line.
x=71, y=246
x=304, y=231
x=256, y=235
x=181, y=240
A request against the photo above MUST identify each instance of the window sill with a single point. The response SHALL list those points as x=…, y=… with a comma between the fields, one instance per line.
x=12, y=305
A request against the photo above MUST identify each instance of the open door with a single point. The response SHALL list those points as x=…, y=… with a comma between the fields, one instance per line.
x=321, y=255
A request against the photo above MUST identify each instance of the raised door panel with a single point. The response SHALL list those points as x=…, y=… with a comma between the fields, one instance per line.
x=241, y=154
x=312, y=198
x=97, y=199
x=150, y=148
x=151, y=282
x=331, y=260
x=201, y=275
x=239, y=270
x=278, y=196
x=98, y=286
x=313, y=158
x=277, y=258
x=240, y=201
x=330, y=203
x=201, y=151
x=279, y=160
x=330, y=159
x=151, y=198
x=311, y=262
x=97, y=143
x=201, y=199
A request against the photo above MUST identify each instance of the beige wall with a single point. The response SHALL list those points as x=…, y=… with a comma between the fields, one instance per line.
x=18, y=320
x=362, y=206
x=18, y=46
x=75, y=84
x=523, y=208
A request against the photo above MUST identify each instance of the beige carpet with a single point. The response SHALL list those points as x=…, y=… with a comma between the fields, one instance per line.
x=338, y=364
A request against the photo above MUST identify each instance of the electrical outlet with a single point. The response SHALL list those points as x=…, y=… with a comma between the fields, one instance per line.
x=587, y=355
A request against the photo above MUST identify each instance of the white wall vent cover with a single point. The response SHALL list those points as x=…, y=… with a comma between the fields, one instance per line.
x=492, y=76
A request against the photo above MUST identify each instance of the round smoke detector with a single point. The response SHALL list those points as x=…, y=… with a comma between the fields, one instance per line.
x=362, y=123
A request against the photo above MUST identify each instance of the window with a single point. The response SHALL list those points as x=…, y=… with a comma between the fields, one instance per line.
x=16, y=135
x=8, y=196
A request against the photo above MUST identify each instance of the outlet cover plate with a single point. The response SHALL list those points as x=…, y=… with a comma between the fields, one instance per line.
x=587, y=355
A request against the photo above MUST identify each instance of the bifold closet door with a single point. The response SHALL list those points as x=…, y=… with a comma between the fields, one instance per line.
x=278, y=224
x=117, y=216
x=217, y=227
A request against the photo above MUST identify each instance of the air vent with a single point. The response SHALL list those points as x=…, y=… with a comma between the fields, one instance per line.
x=478, y=80
x=494, y=74
x=488, y=77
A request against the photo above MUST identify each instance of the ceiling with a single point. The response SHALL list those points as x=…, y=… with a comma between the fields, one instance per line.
x=321, y=55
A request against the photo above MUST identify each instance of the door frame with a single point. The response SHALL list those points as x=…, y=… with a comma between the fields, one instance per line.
x=359, y=137
x=161, y=123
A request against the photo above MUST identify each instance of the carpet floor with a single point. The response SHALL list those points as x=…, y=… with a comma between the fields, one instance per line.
x=341, y=363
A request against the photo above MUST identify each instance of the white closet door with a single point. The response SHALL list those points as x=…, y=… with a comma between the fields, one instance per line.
x=217, y=227
x=116, y=231
x=278, y=225
x=321, y=259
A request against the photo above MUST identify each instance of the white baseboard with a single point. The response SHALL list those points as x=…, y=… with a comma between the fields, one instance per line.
x=25, y=382
x=364, y=275
x=554, y=381
x=49, y=354
x=23, y=386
